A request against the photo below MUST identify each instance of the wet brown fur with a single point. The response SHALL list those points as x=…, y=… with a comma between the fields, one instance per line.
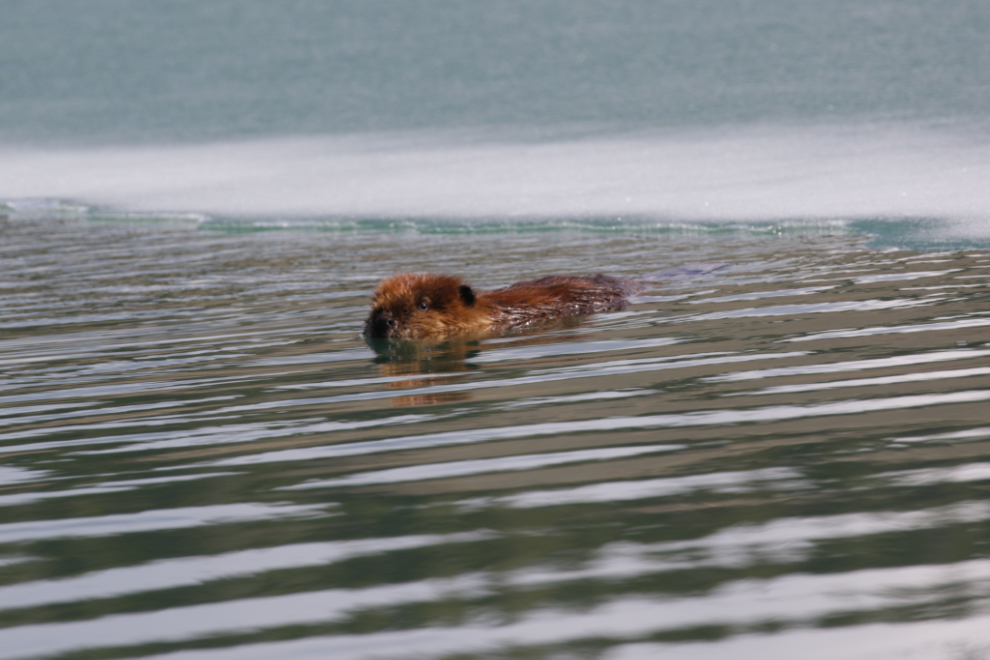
x=418, y=305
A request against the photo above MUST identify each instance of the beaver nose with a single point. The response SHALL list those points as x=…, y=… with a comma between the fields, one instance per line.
x=380, y=324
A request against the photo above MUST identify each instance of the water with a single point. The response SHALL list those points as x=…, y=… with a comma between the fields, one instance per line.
x=182, y=70
x=202, y=459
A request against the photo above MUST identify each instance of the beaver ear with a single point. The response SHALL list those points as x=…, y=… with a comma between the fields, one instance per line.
x=467, y=295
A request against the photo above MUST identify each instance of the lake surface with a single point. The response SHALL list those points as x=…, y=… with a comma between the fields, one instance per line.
x=202, y=459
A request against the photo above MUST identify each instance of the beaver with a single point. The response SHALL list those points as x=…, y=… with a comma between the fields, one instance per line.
x=421, y=305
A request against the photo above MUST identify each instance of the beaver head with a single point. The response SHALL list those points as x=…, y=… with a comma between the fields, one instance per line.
x=416, y=305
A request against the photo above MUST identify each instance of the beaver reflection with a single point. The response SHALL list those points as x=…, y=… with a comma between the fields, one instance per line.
x=439, y=362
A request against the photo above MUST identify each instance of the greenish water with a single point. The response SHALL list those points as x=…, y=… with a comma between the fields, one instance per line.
x=179, y=70
x=201, y=457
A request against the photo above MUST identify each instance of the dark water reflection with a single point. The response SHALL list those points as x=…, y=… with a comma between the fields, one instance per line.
x=200, y=457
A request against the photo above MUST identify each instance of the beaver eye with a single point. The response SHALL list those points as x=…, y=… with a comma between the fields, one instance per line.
x=424, y=306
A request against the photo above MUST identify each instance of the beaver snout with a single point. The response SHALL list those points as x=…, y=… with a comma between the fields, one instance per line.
x=380, y=324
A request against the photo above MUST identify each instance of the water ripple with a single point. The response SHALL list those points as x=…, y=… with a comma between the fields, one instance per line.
x=202, y=457
x=152, y=520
